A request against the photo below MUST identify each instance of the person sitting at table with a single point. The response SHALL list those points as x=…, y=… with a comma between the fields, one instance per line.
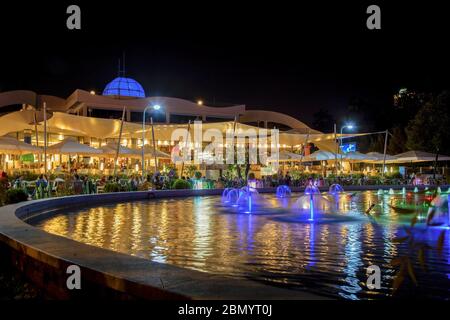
x=41, y=181
x=18, y=182
x=4, y=181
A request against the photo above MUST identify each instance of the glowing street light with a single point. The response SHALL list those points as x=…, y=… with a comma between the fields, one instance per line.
x=200, y=102
x=349, y=126
x=155, y=107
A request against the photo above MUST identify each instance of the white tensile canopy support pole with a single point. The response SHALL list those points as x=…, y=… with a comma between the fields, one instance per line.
x=37, y=137
x=118, y=144
x=234, y=134
x=232, y=144
x=185, y=146
x=384, y=153
x=143, y=144
x=154, y=144
x=337, y=148
x=45, y=137
x=304, y=145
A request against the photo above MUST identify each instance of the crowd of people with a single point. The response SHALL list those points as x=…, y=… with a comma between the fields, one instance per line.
x=75, y=183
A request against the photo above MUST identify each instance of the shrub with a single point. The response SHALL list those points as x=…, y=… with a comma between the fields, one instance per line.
x=27, y=175
x=297, y=174
x=198, y=175
x=181, y=184
x=189, y=170
x=144, y=186
x=394, y=175
x=112, y=187
x=15, y=196
x=3, y=191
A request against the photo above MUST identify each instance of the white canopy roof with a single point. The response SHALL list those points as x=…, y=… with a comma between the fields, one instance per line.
x=73, y=125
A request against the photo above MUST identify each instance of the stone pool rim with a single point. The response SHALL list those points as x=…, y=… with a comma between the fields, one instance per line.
x=44, y=257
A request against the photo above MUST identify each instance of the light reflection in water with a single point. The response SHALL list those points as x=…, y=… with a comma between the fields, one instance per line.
x=353, y=262
x=202, y=234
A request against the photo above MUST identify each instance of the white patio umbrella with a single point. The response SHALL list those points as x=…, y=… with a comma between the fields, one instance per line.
x=379, y=157
x=356, y=156
x=69, y=146
x=149, y=152
x=110, y=150
x=14, y=146
x=418, y=156
x=287, y=156
x=10, y=145
x=322, y=155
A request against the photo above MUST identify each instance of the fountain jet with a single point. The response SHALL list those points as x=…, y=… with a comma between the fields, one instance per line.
x=283, y=191
x=335, y=188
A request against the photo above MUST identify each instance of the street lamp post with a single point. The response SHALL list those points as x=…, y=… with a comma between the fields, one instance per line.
x=348, y=126
x=155, y=107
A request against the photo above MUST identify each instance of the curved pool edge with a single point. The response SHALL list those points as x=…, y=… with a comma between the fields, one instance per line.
x=44, y=258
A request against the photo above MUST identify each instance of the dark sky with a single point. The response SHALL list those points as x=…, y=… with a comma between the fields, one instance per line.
x=284, y=57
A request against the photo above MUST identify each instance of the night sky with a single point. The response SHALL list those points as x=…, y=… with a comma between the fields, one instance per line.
x=292, y=59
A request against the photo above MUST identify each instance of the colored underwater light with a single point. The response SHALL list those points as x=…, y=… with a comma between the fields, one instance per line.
x=311, y=208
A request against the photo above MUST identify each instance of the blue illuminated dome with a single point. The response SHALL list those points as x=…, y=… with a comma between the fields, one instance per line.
x=125, y=87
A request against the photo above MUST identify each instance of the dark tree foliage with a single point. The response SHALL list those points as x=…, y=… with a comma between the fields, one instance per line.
x=396, y=141
x=377, y=143
x=429, y=129
x=323, y=121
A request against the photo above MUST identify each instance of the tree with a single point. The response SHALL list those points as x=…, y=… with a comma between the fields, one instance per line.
x=406, y=104
x=377, y=143
x=323, y=121
x=396, y=141
x=429, y=129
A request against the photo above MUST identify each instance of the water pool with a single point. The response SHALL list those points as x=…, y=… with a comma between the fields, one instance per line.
x=272, y=245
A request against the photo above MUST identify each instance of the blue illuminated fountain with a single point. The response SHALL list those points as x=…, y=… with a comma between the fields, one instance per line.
x=313, y=201
x=335, y=189
x=230, y=196
x=225, y=193
x=247, y=199
x=283, y=191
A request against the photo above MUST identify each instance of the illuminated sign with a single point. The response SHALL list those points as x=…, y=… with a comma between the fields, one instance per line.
x=348, y=147
x=27, y=158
